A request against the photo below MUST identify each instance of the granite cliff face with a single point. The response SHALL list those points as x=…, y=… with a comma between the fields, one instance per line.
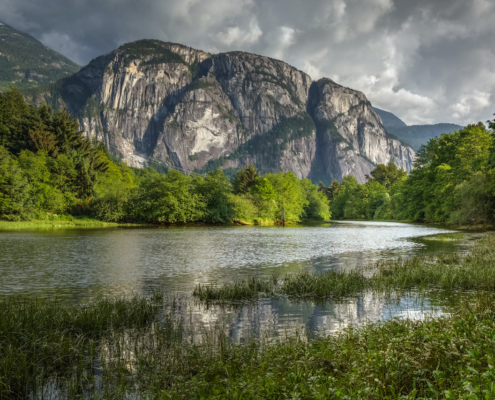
x=351, y=138
x=194, y=111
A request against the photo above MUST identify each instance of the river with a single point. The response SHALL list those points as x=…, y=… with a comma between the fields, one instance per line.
x=75, y=264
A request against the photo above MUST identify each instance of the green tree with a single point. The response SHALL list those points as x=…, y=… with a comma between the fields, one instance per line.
x=245, y=179
x=387, y=175
x=15, y=199
x=215, y=190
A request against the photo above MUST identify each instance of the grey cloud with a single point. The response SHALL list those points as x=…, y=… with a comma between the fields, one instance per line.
x=426, y=61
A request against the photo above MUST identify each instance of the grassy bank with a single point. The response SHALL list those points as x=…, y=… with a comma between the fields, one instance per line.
x=57, y=224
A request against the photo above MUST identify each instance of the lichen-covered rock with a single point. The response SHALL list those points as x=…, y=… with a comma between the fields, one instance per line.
x=194, y=111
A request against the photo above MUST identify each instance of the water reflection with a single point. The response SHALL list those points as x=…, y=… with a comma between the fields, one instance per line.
x=86, y=263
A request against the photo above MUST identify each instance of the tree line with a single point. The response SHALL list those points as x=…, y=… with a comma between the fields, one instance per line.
x=49, y=169
x=452, y=181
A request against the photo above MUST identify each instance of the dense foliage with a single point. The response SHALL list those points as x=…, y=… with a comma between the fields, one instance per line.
x=49, y=169
x=453, y=181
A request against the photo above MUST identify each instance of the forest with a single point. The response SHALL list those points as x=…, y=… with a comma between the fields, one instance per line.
x=49, y=170
x=453, y=182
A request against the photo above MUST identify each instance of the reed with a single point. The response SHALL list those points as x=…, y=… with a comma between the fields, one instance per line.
x=455, y=271
x=146, y=348
x=126, y=349
x=44, y=342
x=334, y=284
x=241, y=290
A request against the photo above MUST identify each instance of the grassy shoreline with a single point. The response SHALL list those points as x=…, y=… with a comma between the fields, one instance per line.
x=58, y=224
x=443, y=225
x=95, y=223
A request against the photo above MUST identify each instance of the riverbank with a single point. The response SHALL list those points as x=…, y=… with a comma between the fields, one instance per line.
x=95, y=223
x=149, y=347
x=58, y=224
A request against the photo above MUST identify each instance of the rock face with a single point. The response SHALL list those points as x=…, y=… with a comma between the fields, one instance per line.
x=351, y=138
x=194, y=111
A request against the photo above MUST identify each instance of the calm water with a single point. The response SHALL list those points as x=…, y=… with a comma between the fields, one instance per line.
x=85, y=263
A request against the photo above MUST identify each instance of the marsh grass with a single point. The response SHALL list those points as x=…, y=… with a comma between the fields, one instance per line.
x=45, y=342
x=158, y=357
x=335, y=284
x=453, y=271
x=247, y=289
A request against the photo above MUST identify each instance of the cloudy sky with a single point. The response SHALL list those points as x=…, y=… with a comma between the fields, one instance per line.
x=427, y=61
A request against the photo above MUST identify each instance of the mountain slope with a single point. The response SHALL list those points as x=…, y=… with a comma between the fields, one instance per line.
x=417, y=135
x=26, y=63
x=389, y=119
x=414, y=135
x=194, y=111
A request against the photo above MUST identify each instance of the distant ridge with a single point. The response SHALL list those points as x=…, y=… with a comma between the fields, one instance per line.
x=389, y=119
x=27, y=63
x=414, y=135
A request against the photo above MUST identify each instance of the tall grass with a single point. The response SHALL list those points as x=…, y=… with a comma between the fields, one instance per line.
x=474, y=271
x=139, y=348
x=446, y=357
x=45, y=342
x=242, y=290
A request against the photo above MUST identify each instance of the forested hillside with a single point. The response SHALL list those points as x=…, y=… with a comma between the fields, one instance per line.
x=413, y=135
x=453, y=181
x=27, y=63
x=50, y=170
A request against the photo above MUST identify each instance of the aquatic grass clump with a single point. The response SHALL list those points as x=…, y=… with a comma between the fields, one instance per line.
x=476, y=270
x=327, y=284
x=453, y=271
x=241, y=290
x=47, y=342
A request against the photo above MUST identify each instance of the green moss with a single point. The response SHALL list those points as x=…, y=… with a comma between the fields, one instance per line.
x=367, y=159
x=199, y=84
x=194, y=70
x=328, y=125
x=284, y=84
x=193, y=157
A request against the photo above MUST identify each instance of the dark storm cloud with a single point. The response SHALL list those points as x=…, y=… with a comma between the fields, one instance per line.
x=426, y=61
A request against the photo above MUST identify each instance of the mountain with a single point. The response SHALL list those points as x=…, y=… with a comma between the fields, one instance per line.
x=413, y=135
x=26, y=63
x=194, y=111
x=390, y=121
